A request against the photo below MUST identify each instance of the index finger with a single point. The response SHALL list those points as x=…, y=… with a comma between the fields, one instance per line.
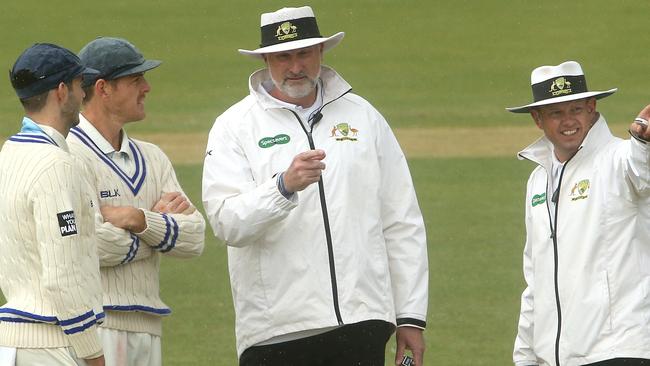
x=317, y=154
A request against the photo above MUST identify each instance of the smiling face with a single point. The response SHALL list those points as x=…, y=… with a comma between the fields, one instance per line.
x=566, y=124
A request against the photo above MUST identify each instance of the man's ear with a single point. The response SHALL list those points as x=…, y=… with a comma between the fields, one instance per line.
x=61, y=92
x=102, y=88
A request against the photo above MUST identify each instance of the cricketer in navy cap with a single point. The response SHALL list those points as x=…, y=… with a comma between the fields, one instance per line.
x=43, y=67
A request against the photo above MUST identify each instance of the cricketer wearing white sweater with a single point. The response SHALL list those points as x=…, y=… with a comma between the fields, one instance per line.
x=129, y=261
x=49, y=270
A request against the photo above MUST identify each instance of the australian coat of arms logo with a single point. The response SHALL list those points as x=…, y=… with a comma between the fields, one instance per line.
x=344, y=132
x=286, y=31
x=580, y=190
x=560, y=86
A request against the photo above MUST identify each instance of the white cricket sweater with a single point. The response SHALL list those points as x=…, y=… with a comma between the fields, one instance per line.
x=130, y=262
x=49, y=269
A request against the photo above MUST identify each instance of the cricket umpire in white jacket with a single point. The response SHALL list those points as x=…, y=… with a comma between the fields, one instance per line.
x=587, y=252
x=324, y=262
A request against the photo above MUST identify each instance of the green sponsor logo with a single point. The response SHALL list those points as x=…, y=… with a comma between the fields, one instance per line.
x=277, y=140
x=538, y=199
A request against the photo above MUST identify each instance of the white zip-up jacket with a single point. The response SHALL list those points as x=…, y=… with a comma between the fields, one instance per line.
x=356, y=253
x=588, y=276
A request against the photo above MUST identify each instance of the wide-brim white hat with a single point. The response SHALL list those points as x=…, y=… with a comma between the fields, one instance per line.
x=556, y=84
x=290, y=29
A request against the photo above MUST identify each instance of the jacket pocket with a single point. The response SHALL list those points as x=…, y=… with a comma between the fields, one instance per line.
x=588, y=315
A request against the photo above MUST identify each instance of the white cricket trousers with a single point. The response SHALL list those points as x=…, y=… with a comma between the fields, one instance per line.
x=122, y=348
x=64, y=356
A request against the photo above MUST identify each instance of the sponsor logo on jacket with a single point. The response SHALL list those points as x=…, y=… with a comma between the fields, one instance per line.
x=538, y=199
x=267, y=142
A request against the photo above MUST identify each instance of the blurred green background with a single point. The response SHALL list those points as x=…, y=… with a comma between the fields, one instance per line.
x=424, y=64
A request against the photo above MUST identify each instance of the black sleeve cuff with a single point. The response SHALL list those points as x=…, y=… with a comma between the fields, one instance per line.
x=411, y=322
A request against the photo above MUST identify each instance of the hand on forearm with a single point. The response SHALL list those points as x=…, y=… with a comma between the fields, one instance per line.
x=173, y=202
x=125, y=217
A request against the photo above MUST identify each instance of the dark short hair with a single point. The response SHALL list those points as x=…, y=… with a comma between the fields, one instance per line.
x=37, y=102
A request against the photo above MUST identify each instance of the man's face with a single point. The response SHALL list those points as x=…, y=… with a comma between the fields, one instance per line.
x=566, y=124
x=71, y=107
x=126, y=97
x=295, y=73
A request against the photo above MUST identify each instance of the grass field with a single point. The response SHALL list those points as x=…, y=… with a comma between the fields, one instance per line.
x=440, y=71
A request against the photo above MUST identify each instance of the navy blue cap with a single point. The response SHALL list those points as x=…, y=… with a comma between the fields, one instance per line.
x=114, y=58
x=43, y=67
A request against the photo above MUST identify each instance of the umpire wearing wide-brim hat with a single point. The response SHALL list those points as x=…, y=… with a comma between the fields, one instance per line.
x=289, y=29
x=556, y=84
x=114, y=58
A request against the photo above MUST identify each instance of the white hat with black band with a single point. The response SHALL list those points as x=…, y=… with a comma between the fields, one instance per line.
x=291, y=29
x=561, y=83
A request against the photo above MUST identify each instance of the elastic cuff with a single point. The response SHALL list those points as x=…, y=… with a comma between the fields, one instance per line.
x=161, y=232
x=411, y=322
x=86, y=344
x=282, y=188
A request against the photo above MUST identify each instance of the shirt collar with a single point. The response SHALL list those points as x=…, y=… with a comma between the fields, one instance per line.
x=100, y=141
x=29, y=125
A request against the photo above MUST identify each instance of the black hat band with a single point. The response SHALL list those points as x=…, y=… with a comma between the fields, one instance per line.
x=559, y=86
x=290, y=30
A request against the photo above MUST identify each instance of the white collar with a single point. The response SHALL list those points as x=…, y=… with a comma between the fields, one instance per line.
x=99, y=139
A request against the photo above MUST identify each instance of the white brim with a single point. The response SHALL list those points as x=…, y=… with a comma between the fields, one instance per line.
x=566, y=98
x=328, y=42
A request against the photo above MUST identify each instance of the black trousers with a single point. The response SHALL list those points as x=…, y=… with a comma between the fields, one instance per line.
x=622, y=362
x=359, y=344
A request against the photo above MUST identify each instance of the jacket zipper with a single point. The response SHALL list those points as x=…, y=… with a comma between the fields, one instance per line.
x=326, y=221
x=556, y=199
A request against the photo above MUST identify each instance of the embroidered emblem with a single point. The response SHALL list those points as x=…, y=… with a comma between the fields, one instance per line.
x=286, y=31
x=343, y=132
x=538, y=199
x=277, y=140
x=560, y=86
x=67, y=223
x=580, y=190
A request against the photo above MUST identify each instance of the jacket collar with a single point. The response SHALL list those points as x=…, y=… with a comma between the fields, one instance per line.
x=541, y=150
x=333, y=85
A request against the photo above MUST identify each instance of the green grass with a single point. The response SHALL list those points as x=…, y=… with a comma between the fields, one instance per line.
x=423, y=63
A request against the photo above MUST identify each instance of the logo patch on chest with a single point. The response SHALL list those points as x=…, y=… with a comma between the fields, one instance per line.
x=67, y=223
x=344, y=132
x=580, y=190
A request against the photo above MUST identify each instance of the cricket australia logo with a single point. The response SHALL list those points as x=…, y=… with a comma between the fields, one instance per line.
x=560, y=86
x=580, y=190
x=286, y=31
x=344, y=132
x=67, y=223
x=538, y=199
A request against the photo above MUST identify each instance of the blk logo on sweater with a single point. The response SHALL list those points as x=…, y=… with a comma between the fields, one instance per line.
x=67, y=223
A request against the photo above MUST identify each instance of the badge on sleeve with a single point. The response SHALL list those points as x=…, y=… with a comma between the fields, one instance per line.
x=67, y=223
